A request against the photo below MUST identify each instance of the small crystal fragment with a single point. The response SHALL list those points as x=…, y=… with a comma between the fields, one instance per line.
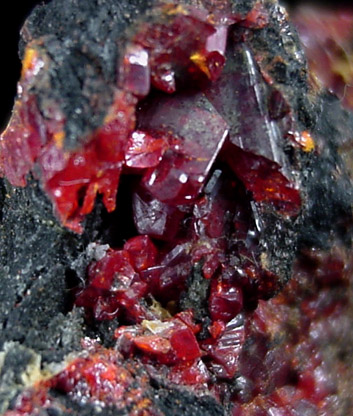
x=135, y=75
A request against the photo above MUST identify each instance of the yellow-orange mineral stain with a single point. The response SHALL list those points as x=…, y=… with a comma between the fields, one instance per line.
x=306, y=141
x=29, y=60
x=59, y=139
x=200, y=60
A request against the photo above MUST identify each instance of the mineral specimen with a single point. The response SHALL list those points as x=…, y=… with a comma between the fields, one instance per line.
x=198, y=260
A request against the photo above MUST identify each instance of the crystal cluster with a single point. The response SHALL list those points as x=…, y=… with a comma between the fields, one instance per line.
x=265, y=362
x=173, y=152
x=216, y=154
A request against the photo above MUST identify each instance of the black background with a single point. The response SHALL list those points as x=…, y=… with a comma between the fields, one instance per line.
x=12, y=20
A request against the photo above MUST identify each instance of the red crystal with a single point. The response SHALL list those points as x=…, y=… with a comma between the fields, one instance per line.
x=21, y=142
x=142, y=251
x=224, y=352
x=74, y=183
x=265, y=181
x=28, y=131
x=225, y=301
x=155, y=218
x=185, y=345
x=115, y=288
x=179, y=43
x=260, y=164
x=135, y=69
x=193, y=146
x=167, y=280
x=144, y=150
x=153, y=344
x=169, y=342
x=190, y=373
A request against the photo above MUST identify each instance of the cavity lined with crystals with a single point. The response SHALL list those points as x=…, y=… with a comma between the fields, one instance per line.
x=181, y=136
x=201, y=145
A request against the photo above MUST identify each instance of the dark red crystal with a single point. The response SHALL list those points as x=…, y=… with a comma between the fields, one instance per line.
x=225, y=301
x=195, y=132
x=115, y=288
x=255, y=146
